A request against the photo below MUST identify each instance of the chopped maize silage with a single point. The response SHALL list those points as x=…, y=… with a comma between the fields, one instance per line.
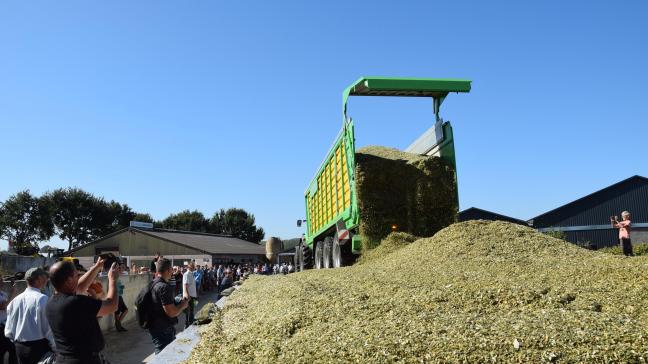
x=388, y=245
x=204, y=315
x=475, y=292
x=637, y=249
x=410, y=192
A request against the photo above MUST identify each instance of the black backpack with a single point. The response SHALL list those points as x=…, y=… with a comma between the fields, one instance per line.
x=144, y=306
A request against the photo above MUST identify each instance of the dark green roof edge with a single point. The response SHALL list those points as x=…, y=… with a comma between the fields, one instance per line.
x=409, y=84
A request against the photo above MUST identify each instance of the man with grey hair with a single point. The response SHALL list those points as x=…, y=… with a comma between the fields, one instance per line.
x=624, y=232
x=27, y=324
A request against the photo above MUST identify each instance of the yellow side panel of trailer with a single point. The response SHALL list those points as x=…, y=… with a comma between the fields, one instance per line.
x=333, y=194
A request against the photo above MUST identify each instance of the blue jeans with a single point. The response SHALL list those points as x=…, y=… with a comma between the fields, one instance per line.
x=162, y=337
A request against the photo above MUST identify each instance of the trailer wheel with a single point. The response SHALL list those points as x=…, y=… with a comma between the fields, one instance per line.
x=297, y=258
x=305, y=257
x=318, y=255
x=327, y=255
x=342, y=255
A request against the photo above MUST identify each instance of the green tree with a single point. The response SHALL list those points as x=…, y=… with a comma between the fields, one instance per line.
x=25, y=220
x=123, y=215
x=111, y=216
x=186, y=220
x=236, y=222
x=80, y=217
x=143, y=217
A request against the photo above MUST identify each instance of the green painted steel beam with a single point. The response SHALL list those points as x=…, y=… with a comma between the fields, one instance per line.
x=437, y=88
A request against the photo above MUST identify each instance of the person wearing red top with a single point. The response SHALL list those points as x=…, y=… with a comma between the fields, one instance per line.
x=624, y=232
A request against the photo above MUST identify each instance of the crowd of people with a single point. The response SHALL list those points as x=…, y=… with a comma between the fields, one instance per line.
x=56, y=318
x=63, y=328
x=175, y=290
x=240, y=270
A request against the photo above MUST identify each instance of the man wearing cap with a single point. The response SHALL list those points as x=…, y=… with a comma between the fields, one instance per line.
x=27, y=325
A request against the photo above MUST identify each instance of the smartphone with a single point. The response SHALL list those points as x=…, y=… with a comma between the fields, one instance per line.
x=109, y=259
x=106, y=255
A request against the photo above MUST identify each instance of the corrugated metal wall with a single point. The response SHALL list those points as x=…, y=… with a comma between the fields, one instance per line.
x=599, y=238
x=631, y=195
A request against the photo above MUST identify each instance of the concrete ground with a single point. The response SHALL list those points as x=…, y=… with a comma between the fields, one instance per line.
x=135, y=346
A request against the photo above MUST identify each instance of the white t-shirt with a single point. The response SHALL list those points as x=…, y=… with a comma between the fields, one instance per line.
x=188, y=279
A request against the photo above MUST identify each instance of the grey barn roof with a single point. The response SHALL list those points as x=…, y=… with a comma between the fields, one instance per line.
x=206, y=243
x=213, y=244
x=474, y=213
x=593, y=201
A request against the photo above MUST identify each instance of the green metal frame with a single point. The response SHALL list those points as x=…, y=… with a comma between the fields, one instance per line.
x=349, y=215
x=437, y=89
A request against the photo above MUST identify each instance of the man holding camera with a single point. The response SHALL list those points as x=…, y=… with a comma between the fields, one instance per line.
x=624, y=232
x=73, y=317
x=165, y=311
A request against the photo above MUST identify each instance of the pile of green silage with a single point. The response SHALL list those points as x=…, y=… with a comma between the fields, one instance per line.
x=475, y=292
x=637, y=249
x=410, y=192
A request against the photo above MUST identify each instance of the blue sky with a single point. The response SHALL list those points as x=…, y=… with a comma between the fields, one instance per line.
x=210, y=104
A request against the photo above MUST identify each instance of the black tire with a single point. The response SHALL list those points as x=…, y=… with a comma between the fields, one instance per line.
x=327, y=256
x=341, y=254
x=318, y=255
x=297, y=257
x=306, y=257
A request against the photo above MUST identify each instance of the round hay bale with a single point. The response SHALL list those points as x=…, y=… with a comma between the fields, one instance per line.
x=273, y=247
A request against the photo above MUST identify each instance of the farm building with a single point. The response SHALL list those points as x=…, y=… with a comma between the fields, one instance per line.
x=140, y=245
x=475, y=213
x=586, y=221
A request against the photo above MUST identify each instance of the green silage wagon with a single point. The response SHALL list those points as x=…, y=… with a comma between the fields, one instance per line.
x=332, y=238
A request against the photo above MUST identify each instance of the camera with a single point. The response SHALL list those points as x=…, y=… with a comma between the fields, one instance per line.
x=109, y=259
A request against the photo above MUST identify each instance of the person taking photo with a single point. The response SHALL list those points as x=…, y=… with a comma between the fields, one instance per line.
x=73, y=316
x=624, y=232
x=165, y=311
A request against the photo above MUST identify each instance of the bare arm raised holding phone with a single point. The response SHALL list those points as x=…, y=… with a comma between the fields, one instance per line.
x=109, y=305
x=86, y=279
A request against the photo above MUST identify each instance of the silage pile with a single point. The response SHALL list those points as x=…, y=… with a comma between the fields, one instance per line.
x=414, y=193
x=475, y=292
